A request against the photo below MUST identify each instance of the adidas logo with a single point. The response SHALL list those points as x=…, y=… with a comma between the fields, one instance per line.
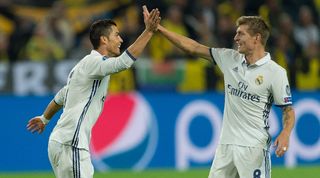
x=235, y=69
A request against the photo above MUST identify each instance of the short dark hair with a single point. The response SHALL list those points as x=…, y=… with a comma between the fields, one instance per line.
x=100, y=28
x=256, y=25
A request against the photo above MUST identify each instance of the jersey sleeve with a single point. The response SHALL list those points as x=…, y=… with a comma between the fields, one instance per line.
x=59, y=98
x=223, y=57
x=106, y=66
x=281, y=89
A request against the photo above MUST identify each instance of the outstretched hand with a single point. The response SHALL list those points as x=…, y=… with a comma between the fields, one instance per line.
x=282, y=143
x=152, y=19
x=36, y=125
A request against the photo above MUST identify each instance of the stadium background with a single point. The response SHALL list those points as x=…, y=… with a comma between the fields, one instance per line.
x=177, y=98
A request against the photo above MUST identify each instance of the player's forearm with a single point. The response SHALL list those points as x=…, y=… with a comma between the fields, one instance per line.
x=188, y=45
x=288, y=120
x=51, y=110
x=138, y=46
x=184, y=43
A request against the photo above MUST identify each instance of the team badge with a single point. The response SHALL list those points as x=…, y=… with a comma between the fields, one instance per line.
x=259, y=80
x=288, y=90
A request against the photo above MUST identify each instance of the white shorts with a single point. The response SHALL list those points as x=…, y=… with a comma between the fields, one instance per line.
x=69, y=162
x=233, y=161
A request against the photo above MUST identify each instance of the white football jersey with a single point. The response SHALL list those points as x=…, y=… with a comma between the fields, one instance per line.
x=250, y=91
x=83, y=97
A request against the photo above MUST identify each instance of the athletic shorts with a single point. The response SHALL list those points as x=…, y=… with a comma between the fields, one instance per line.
x=233, y=161
x=69, y=162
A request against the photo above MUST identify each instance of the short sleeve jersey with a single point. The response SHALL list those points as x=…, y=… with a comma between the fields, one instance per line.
x=250, y=91
x=83, y=97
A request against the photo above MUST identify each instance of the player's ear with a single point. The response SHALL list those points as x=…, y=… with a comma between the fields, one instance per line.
x=104, y=39
x=258, y=37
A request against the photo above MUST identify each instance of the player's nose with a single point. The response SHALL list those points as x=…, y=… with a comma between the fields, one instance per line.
x=235, y=38
x=120, y=39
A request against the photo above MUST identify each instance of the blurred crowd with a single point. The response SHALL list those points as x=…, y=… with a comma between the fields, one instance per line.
x=50, y=30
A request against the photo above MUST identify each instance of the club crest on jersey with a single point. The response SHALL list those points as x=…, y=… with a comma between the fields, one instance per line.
x=259, y=80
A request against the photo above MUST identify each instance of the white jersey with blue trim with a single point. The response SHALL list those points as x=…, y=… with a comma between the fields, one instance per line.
x=83, y=97
x=250, y=91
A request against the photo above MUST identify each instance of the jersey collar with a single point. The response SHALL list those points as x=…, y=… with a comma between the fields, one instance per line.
x=263, y=60
x=260, y=62
x=94, y=52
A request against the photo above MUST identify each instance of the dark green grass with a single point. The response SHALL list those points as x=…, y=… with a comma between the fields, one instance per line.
x=277, y=172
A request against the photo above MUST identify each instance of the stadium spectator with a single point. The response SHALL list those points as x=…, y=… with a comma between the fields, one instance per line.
x=129, y=21
x=209, y=12
x=232, y=8
x=58, y=26
x=199, y=20
x=162, y=49
x=225, y=31
x=308, y=70
x=3, y=47
x=270, y=12
x=83, y=48
x=306, y=31
x=286, y=49
x=21, y=34
x=43, y=47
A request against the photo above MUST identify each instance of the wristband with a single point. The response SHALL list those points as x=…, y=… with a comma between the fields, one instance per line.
x=44, y=120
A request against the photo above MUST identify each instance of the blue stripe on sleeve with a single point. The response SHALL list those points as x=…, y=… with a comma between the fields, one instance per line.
x=56, y=102
x=130, y=55
x=212, y=56
x=284, y=105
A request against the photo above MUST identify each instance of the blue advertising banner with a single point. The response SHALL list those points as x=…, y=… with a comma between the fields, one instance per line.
x=152, y=130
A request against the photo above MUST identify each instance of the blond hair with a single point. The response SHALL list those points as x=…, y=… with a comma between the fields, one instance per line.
x=256, y=25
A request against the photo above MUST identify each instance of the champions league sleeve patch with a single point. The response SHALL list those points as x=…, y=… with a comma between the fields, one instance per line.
x=288, y=99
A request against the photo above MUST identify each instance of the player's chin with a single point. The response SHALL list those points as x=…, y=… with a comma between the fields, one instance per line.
x=117, y=52
x=241, y=50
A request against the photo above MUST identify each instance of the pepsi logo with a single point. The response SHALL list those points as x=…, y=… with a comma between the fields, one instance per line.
x=126, y=133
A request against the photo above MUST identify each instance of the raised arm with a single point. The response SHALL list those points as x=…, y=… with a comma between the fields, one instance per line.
x=282, y=141
x=151, y=25
x=186, y=44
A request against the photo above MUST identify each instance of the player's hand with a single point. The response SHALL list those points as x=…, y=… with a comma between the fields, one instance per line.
x=152, y=19
x=36, y=125
x=282, y=143
x=145, y=12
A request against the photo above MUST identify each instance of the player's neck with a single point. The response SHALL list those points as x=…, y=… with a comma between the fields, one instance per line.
x=102, y=51
x=254, y=56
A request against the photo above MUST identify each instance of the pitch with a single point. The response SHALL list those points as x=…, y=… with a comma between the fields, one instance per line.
x=277, y=172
